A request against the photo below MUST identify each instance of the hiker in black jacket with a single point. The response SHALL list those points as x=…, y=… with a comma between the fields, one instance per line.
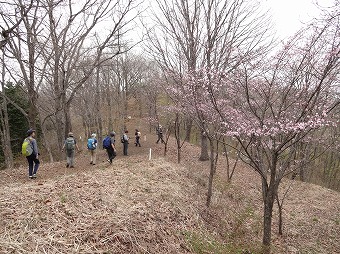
x=159, y=131
x=137, y=136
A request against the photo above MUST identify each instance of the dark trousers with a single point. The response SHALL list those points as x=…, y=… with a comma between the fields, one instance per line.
x=137, y=141
x=111, y=153
x=32, y=160
x=125, y=147
x=160, y=137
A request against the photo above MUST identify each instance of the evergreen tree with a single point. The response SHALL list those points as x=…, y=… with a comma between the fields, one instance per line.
x=17, y=121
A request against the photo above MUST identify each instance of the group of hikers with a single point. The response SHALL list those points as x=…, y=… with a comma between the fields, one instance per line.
x=31, y=152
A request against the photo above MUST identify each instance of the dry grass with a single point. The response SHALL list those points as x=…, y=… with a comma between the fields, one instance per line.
x=140, y=207
x=311, y=213
x=157, y=206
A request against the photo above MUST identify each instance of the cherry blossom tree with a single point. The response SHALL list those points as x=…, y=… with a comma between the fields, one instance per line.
x=270, y=104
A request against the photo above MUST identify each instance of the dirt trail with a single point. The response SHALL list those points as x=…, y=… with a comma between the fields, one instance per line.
x=82, y=161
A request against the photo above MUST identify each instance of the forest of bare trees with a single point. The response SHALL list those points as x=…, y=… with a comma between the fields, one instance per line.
x=207, y=68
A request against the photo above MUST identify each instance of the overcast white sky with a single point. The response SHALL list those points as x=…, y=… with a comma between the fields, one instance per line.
x=288, y=14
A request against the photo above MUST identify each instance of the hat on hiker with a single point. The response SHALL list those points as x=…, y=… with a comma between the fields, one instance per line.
x=70, y=134
x=93, y=135
x=112, y=133
x=30, y=131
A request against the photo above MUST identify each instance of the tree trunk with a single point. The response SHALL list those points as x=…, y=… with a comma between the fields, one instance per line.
x=204, y=148
x=188, y=129
x=269, y=194
x=98, y=98
x=5, y=133
x=227, y=158
x=32, y=94
x=100, y=127
x=280, y=221
x=179, y=154
x=109, y=104
x=125, y=113
x=267, y=219
x=85, y=127
x=60, y=129
x=32, y=110
x=46, y=143
x=178, y=138
x=67, y=117
x=212, y=172
x=58, y=104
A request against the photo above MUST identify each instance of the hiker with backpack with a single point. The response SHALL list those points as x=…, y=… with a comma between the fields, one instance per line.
x=137, y=136
x=109, y=145
x=92, y=146
x=159, y=131
x=69, y=145
x=125, y=141
x=30, y=151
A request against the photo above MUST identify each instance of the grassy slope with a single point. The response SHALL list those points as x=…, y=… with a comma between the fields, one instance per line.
x=141, y=206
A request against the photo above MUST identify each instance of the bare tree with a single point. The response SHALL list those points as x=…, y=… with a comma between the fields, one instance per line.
x=176, y=47
x=11, y=21
x=23, y=47
x=193, y=34
x=71, y=61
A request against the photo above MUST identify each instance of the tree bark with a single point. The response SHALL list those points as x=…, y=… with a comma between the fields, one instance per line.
x=109, y=104
x=33, y=111
x=204, y=148
x=280, y=216
x=97, y=106
x=5, y=132
x=67, y=117
x=188, y=129
x=46, y=143
x=267, y=218
x=178, y=138
x=212, y=172
x=269, y=194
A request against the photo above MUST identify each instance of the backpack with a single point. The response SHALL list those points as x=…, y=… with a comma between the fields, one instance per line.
x=91, y=145
x=26, y=148
x=159, y=131
x=106, y=142
x=122, y=139
x=70, y=144
x=139, y=134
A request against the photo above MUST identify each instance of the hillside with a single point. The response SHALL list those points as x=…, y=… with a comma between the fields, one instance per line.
x=141, y=206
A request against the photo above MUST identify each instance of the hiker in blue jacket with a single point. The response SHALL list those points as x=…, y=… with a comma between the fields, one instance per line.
x=33, y=159
x=109, y=145
x=92, y=147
